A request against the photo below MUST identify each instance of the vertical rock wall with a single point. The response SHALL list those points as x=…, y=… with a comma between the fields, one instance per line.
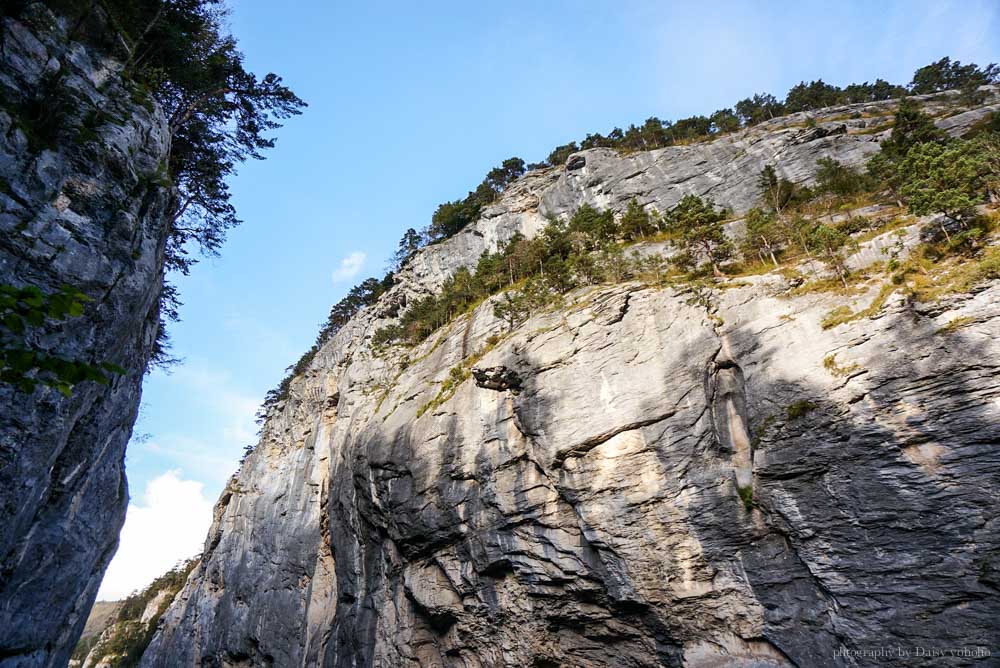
x=79, y=206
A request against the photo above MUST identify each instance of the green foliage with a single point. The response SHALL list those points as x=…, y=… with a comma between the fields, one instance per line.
x=509, y=171
x=584, y=250
x=799, y=408
x=949, y=178
x=387, y=335
x=989, y=124
x=452, y=217
x=829, y=243
x=129, y=636
x=723, y=121
x=814, y=95
x=876, y=92
x=697, y=226
x=516, y=306
x=656, y=133
x=911, y=126
x=594, y=225
x=179, y=53
x=947, y=74
x=693, y=127
x=636, y=222
x=532, y=272
x=364, y=294
x=559, y=154
x=834, y=178
x=746, y=496
x=83, y=648
x=763, y=235
x=777, y=192
x=759, y=108
x=411, y=242
x=24, y=364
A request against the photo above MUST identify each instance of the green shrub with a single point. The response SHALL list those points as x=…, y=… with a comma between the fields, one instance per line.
x=800, y=408
x=746, y=495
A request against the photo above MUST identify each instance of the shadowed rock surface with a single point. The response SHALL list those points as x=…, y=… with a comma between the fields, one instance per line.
x=576, y=500
x=79, y=205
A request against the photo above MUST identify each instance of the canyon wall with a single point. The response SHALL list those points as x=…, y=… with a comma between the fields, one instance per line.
x=81, y=205
x=643, y=476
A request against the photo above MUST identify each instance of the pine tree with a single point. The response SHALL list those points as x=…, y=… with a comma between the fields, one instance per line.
x=698, y=226
x=635, y=223
x=828, y=243
x=762, y=234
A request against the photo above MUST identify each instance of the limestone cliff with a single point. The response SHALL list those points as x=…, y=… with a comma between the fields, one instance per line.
x=644, y=476
x=80, y=204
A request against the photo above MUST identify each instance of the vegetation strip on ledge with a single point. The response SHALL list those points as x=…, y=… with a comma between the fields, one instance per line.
x=781, y=226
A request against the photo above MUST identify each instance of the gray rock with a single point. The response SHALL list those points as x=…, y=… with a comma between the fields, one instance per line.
x=62, y=484
x=497, y=378
x=391, y=516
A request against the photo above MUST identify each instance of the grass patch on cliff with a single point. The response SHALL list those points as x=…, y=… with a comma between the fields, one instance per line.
x=873, y=129
x=959, y=276
x=830, y=364
x=457, y=375
x=746, y=495
x=959, y=265
x=833, y=285
x=955, y=324
x=844, y=314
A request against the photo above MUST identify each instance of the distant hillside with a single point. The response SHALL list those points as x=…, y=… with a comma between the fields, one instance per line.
x=117, y=632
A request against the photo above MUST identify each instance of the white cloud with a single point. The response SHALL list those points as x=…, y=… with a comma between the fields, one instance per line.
x=349, y=267
x=219, y=422
x=170, y=525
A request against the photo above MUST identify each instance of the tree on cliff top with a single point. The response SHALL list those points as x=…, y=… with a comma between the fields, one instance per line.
x=948, y=74
x=179, y=53
x=220, y=114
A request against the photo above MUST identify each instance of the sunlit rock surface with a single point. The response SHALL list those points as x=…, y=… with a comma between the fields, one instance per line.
x=619, y=481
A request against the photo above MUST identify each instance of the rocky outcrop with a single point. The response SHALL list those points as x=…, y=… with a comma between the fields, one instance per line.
x=641, y=477
x=79, y=205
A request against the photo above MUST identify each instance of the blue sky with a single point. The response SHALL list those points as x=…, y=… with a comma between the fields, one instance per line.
x=410, y=105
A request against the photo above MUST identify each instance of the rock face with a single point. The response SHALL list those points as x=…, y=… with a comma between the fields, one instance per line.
x=78, y=206
x=642, y=477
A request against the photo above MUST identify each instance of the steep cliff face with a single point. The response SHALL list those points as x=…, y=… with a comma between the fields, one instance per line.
x=644, y=476
x=79, y=205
